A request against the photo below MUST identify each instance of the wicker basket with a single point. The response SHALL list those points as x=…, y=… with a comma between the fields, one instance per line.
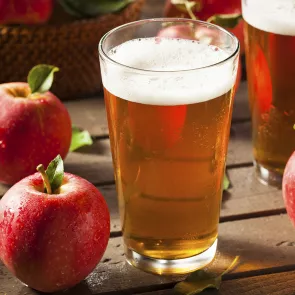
x=72, y=47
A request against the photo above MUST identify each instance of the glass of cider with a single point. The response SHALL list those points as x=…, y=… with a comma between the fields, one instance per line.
x=270, y=57
x=169, y=106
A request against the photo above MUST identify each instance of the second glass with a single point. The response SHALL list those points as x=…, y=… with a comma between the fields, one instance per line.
x=270, y=55
x=169, y=105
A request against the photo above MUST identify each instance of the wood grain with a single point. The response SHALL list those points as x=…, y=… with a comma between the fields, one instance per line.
x=240, y=145
x=248, y=197
x=254, y=240
x=263, y=244
x=89, y=114
x=275, y=284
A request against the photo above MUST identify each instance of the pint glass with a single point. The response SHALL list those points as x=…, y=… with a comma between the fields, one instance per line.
x=270, y=55
x=169, y=106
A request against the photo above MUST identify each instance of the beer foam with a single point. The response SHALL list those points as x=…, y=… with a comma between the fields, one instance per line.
x=156, y=85
x=273, y=16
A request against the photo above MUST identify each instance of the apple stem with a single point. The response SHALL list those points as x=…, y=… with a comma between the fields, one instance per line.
x=211, y=19
x=41, y=169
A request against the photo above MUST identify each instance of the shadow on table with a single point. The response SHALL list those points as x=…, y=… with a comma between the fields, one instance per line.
x=99, y=147
x=80, y=289
x=226, y=196
x=255, y=259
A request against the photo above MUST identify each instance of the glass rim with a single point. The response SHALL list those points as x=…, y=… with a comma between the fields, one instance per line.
x=105, y=55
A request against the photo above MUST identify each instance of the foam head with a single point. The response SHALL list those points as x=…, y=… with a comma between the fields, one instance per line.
x=273, y=16
x=174, y=71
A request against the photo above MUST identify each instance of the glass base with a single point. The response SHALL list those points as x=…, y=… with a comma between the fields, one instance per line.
x=268, y=177
x=171, y=267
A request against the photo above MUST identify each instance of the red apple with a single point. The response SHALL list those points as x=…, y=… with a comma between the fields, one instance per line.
x=204, y=9
x=53, y=241
x=289, y=188
x=34, y=128
x=259, y=73
x=25, y=11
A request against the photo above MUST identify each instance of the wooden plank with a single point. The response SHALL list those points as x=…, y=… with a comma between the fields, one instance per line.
x=240, y=145
x=279, y=284
x=105, y=278
x=95, y=167
x=259, y=246
x=248, y=197
x=90, y=113
x=262, y=244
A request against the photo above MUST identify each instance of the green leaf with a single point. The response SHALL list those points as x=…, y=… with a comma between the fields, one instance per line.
x=226, y=20
x=200, y=280
x=226, y=182
x=40, y=78
x=80, y=138
x=55, y=173
x=92, y=8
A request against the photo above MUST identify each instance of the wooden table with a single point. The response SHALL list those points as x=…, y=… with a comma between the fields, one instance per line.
x=253, y=221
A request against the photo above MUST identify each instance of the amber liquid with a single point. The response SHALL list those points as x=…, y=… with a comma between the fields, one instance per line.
x=169, y=164
x=271, y=74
